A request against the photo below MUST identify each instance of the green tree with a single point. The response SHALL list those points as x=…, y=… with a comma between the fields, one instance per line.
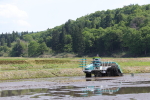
x=133, y=41
x=108, y=20
x=55, y=41
x=112, y=40
x=67, y=44
x=119, y=16
x=89, y=39
x=62, y=39
x=33, y=49
x=145, y=34
x=27, y=38
x=137, y=22
x=78, y=41
x=42, y=48
x=8, y=42
x=18, y=49
x=49, y=41
x=2, y=41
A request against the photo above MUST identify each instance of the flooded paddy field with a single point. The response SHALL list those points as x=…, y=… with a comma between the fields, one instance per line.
x=127, y=87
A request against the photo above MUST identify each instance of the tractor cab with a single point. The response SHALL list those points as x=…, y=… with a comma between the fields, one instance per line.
x=96, y=63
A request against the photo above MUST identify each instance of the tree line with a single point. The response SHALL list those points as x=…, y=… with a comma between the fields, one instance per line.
x=103, y=32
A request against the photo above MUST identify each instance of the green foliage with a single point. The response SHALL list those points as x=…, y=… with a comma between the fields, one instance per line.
x=42, y=48
x=103, y=32
x=18, y=50
x=27, y=38
x=55, y=41
x=67, y=44
x=4, y=50
x=33, y=49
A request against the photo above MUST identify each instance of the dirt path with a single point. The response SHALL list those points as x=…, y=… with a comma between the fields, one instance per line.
x=127, y=87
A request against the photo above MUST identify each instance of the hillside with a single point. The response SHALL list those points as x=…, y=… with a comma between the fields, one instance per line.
x=107, y=33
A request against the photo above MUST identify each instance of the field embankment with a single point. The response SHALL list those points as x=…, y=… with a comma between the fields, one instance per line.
x=22, y=68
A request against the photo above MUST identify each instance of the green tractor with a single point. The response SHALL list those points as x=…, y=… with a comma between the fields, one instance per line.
x=100, y=68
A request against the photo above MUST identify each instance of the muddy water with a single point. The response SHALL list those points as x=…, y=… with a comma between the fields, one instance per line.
x=127, y=87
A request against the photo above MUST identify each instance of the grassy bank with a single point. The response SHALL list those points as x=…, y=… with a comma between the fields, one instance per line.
x=21, y=68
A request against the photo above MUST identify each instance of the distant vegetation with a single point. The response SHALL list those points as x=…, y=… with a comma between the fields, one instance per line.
x=124, y=31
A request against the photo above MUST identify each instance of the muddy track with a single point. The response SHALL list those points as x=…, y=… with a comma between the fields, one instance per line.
x=127, y=87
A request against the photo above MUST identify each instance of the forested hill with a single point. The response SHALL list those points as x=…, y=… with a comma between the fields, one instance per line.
x=124, y=29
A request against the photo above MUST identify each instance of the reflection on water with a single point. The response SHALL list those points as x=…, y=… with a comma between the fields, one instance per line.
x=98, y=79
x=74, y=91
x=137, y=82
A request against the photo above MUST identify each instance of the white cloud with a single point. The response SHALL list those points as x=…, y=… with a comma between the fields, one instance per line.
x=22, y=22
x=9, y=11
x=13, y=18
x=3, y=22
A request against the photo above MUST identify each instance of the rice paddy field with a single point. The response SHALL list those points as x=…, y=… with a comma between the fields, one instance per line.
x=25, y=68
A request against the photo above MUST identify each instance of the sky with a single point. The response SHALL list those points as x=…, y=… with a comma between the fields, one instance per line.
x=39, y=15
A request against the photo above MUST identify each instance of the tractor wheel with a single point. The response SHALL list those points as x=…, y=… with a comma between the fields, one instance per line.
x=88, y=75
x=116, y=71
x=98, y=74
x=109, y=72
x=112, y=71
